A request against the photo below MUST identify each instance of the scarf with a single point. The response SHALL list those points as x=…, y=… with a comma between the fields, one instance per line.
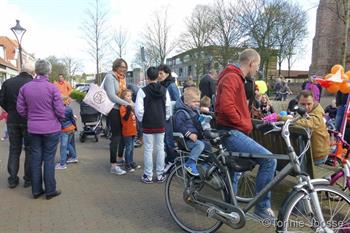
x=122, y=83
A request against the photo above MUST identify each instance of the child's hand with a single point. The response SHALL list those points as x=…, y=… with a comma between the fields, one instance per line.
x=193, y=137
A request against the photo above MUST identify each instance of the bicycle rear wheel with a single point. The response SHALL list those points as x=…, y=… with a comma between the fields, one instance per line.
x=297, y=214
x=190, y=218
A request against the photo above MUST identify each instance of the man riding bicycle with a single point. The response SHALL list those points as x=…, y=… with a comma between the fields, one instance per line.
x=232, y=113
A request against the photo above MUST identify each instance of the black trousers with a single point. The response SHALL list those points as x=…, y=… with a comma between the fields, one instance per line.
x=114, y=121
x=18, y=136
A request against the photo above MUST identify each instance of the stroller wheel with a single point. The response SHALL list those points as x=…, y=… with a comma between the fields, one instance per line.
x=82, y=137
x=96, y=138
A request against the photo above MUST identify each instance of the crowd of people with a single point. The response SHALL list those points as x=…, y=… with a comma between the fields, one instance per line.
x=39, y=116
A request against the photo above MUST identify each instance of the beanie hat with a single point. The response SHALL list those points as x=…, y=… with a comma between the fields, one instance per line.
x=42, y=67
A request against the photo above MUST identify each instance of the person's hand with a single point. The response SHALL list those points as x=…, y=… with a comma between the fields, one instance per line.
x=193, y=137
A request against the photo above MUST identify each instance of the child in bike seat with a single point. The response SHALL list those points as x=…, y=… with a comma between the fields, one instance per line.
x=186, y=121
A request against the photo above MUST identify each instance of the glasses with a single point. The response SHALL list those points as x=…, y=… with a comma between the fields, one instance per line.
x=124, y=67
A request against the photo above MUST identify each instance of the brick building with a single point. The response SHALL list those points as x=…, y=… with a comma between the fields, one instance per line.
x=327, y=43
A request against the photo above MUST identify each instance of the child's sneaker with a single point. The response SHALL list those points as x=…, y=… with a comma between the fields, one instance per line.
x=191, y=167
x=72, y=160
x=117, y=170
x=60, y=167
x=129, y=168
x=145, y=179
x=161, y=178
x=135, y=166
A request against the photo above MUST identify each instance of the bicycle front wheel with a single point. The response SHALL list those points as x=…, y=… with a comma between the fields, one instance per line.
x=190, y=217
x=298, y=214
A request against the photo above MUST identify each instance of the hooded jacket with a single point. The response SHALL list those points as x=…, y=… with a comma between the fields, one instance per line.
x=152, y=107
x=231, y=108
x=186, y=120
x=319, y=138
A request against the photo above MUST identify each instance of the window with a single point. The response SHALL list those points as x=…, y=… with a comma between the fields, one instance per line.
x=189, y=70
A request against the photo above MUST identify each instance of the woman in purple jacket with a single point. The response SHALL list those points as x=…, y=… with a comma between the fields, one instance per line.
x=40, y=102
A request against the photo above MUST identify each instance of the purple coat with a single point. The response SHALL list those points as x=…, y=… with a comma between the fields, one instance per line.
x=40, y=102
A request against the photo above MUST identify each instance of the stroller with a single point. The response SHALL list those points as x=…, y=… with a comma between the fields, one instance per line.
x=92, y=121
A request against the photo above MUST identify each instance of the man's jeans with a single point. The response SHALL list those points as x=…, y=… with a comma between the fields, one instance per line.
x=129, y=149
x=239, y=142
x=156, y=140
x=43, y=149
x=18, y=136
x=65, y=139
x=197, y=148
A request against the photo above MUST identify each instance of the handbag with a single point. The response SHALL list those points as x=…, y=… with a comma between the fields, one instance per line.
x=98, y=99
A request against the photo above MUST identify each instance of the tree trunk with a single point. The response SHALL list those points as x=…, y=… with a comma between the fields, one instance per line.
x=346, y=33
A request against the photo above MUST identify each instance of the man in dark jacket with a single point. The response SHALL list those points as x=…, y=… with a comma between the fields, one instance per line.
x=232, y=113
x=207, y=85
x=16, y=126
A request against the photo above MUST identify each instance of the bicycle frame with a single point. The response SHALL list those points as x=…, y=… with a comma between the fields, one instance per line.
x=293, y=165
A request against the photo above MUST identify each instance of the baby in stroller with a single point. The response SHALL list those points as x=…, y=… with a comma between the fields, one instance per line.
x=92, y=121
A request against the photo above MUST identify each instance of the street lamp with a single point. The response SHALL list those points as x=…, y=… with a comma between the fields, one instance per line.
x=19, y=31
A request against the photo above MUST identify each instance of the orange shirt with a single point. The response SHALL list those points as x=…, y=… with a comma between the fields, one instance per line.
x=129, y=126
x=64, y=88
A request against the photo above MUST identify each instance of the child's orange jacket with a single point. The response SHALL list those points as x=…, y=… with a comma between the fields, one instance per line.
x=129, y=125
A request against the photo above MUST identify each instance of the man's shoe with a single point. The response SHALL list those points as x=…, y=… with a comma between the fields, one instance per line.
x=265, y=214
x=191, y=167
x=161, y=178
x=36, y=196
x=145, y=179
x=55, y=194
x=117, y=170
x=27, y=184
x=12, y=185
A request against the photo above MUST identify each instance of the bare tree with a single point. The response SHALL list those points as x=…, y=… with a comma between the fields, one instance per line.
x=342, y=9
x=260, y=17
x=229, y=31
x=149, y=59
x=156, y=38
x=199, y=31
x=95, y=34
x=120, y=39
x=72, y=66
x=290, y=33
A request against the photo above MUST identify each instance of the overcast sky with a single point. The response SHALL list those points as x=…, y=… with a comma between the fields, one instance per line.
x=53, y=26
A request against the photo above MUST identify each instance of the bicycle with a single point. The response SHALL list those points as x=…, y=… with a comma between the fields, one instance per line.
x=204, y=203
x=339, y=157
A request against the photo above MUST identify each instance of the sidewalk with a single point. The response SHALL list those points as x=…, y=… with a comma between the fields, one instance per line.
x=92, y=200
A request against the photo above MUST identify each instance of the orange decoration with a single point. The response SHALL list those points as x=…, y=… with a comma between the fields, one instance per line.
x=345, y=77
x=337, y=67
x=347, y=73
x=345, y=87
x=334, y=88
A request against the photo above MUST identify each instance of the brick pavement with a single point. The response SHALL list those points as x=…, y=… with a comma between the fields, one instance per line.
x=92, y=200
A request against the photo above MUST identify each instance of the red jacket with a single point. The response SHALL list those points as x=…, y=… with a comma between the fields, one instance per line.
x=231, y=107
